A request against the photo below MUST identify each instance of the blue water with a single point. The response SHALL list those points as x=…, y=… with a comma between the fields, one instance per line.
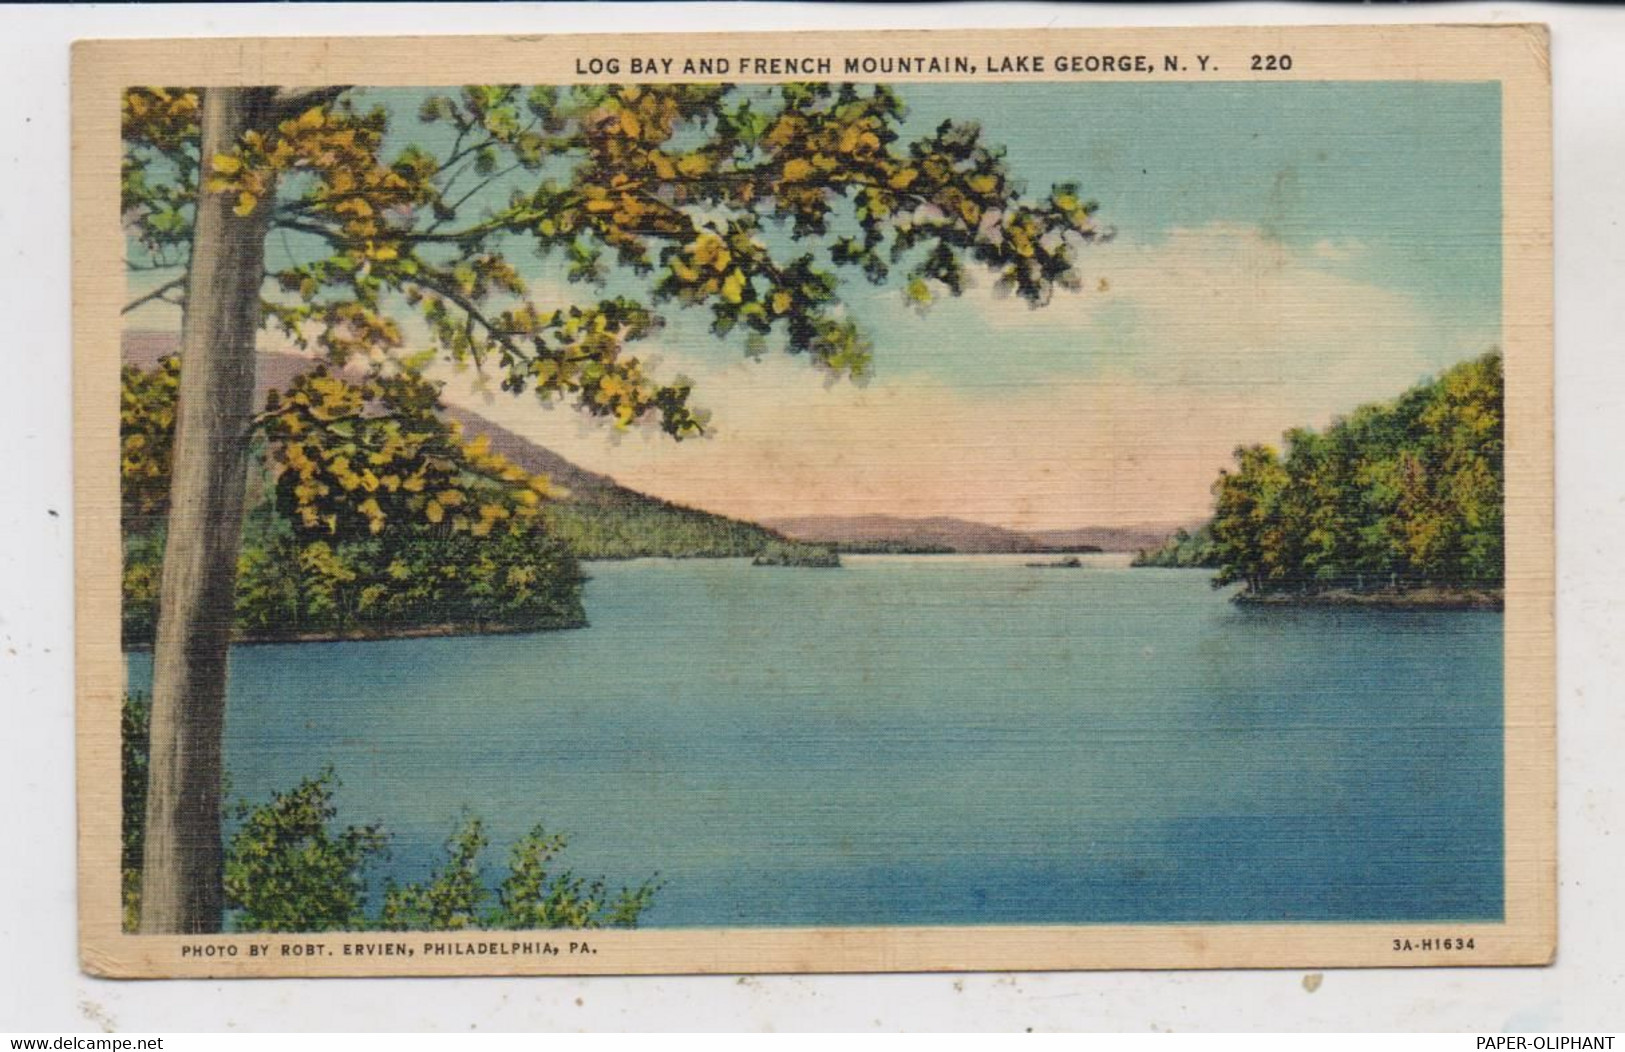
x=927, y=740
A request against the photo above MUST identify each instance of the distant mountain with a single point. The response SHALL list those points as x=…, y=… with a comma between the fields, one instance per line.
x=1111, y=538
x=892, y=533
x=856, y=533
x=598, y=517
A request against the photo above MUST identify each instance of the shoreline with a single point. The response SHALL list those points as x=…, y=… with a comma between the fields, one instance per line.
x=1491, y=599
x=368, y=634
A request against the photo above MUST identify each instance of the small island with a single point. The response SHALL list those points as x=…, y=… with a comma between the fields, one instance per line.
x=790, y=553
x=1071, y=562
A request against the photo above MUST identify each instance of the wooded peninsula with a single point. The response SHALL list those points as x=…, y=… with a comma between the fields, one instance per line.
x=1397, y=504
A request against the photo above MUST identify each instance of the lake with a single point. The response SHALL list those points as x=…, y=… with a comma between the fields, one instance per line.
x=925, y=740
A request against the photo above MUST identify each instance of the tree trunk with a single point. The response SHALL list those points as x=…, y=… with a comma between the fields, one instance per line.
x=181, y=870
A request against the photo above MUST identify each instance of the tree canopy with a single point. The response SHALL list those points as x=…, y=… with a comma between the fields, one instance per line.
x=699, y=191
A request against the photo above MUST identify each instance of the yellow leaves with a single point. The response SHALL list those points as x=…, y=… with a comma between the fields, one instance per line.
x=1021, y=240
x=612, y=387
x=709, y=250
x=781, y=302
x=733, y=286
x=983, y=184
x=245, y=203
x=787, y=129
x=434, y=512
x=797, y=169
x=662, y=165
x=903, y=178
x=374, y=513
x=693, y=165
x=630, y=125
x=227, y=164
x=858, y=139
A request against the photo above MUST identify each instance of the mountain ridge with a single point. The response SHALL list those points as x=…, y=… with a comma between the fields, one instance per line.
x=945, y=533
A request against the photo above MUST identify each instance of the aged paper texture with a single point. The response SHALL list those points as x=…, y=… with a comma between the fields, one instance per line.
x=817, y=502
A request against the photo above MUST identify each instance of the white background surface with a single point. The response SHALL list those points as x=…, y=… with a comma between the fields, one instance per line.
x=41, y=988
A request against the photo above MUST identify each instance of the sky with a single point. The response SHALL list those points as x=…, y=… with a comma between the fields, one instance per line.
x=1284, y=252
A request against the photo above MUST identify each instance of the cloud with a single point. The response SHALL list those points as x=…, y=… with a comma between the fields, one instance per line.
x=1130, y=400
x=1227, y=305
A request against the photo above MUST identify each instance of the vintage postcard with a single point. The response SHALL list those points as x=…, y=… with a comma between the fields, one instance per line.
x=816, y=502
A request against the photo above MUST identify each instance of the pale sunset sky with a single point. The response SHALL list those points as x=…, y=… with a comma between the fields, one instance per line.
x=1284, y=253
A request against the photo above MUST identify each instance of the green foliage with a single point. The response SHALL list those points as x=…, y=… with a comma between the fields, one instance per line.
x=159, y=172
x=289, y=868
x=401, y=582
x=143, y=563
x=455, y=897
x=405, y=581
x=891, y=546
x=134, y=736
x=1401, y=495
x=452, y=898
x=634, y=526
x=146, y=442
x=795, y=553
x=531, y=897
x=1183, y=550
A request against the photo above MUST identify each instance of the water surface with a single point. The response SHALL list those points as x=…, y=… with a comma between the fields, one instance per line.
x=925, y=740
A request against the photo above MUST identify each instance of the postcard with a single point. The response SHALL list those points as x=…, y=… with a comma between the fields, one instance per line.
x=827, y=502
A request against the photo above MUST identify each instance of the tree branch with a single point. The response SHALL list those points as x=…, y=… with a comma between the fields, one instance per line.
x=156, y=294
x=289, y=103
